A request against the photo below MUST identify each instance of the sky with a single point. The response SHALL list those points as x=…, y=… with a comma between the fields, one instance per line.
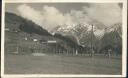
x=50, y=15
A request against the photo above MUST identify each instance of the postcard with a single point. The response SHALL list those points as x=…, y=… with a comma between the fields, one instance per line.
x=64, y=38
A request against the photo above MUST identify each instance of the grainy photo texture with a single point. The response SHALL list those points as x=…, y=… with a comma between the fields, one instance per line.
x=63, y=38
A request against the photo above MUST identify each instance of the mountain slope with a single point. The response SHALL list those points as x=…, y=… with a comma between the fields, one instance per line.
x=20, y=33
x=16, y=22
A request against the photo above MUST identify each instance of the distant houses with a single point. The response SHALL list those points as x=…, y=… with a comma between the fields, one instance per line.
x=7, y=29
x=35, y=40
x=51, y=41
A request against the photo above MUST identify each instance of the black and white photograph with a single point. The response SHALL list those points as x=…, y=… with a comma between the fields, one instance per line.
x=64, y=38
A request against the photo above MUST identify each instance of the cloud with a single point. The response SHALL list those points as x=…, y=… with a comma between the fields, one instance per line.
x=54, y=17
x=80, y=17
x=50, y=17
x=30, y=14
x=108, y=14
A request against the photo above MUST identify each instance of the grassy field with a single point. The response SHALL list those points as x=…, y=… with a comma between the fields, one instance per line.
x=61, y=64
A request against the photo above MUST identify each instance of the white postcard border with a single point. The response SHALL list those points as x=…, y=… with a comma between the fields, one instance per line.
x=124, y=35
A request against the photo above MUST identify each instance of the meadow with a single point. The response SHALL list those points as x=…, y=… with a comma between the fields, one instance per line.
x=62, y=64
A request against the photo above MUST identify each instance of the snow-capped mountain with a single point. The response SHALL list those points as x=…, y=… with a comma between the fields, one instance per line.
x=84, y=30
x=79, y=30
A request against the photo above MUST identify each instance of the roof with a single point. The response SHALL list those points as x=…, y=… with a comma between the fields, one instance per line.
x=51, y=41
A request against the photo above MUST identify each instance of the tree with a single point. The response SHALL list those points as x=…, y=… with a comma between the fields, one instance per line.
x=112, y=38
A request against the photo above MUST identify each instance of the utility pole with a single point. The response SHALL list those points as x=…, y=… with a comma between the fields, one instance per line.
x=92, y=42
x=92, y=38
